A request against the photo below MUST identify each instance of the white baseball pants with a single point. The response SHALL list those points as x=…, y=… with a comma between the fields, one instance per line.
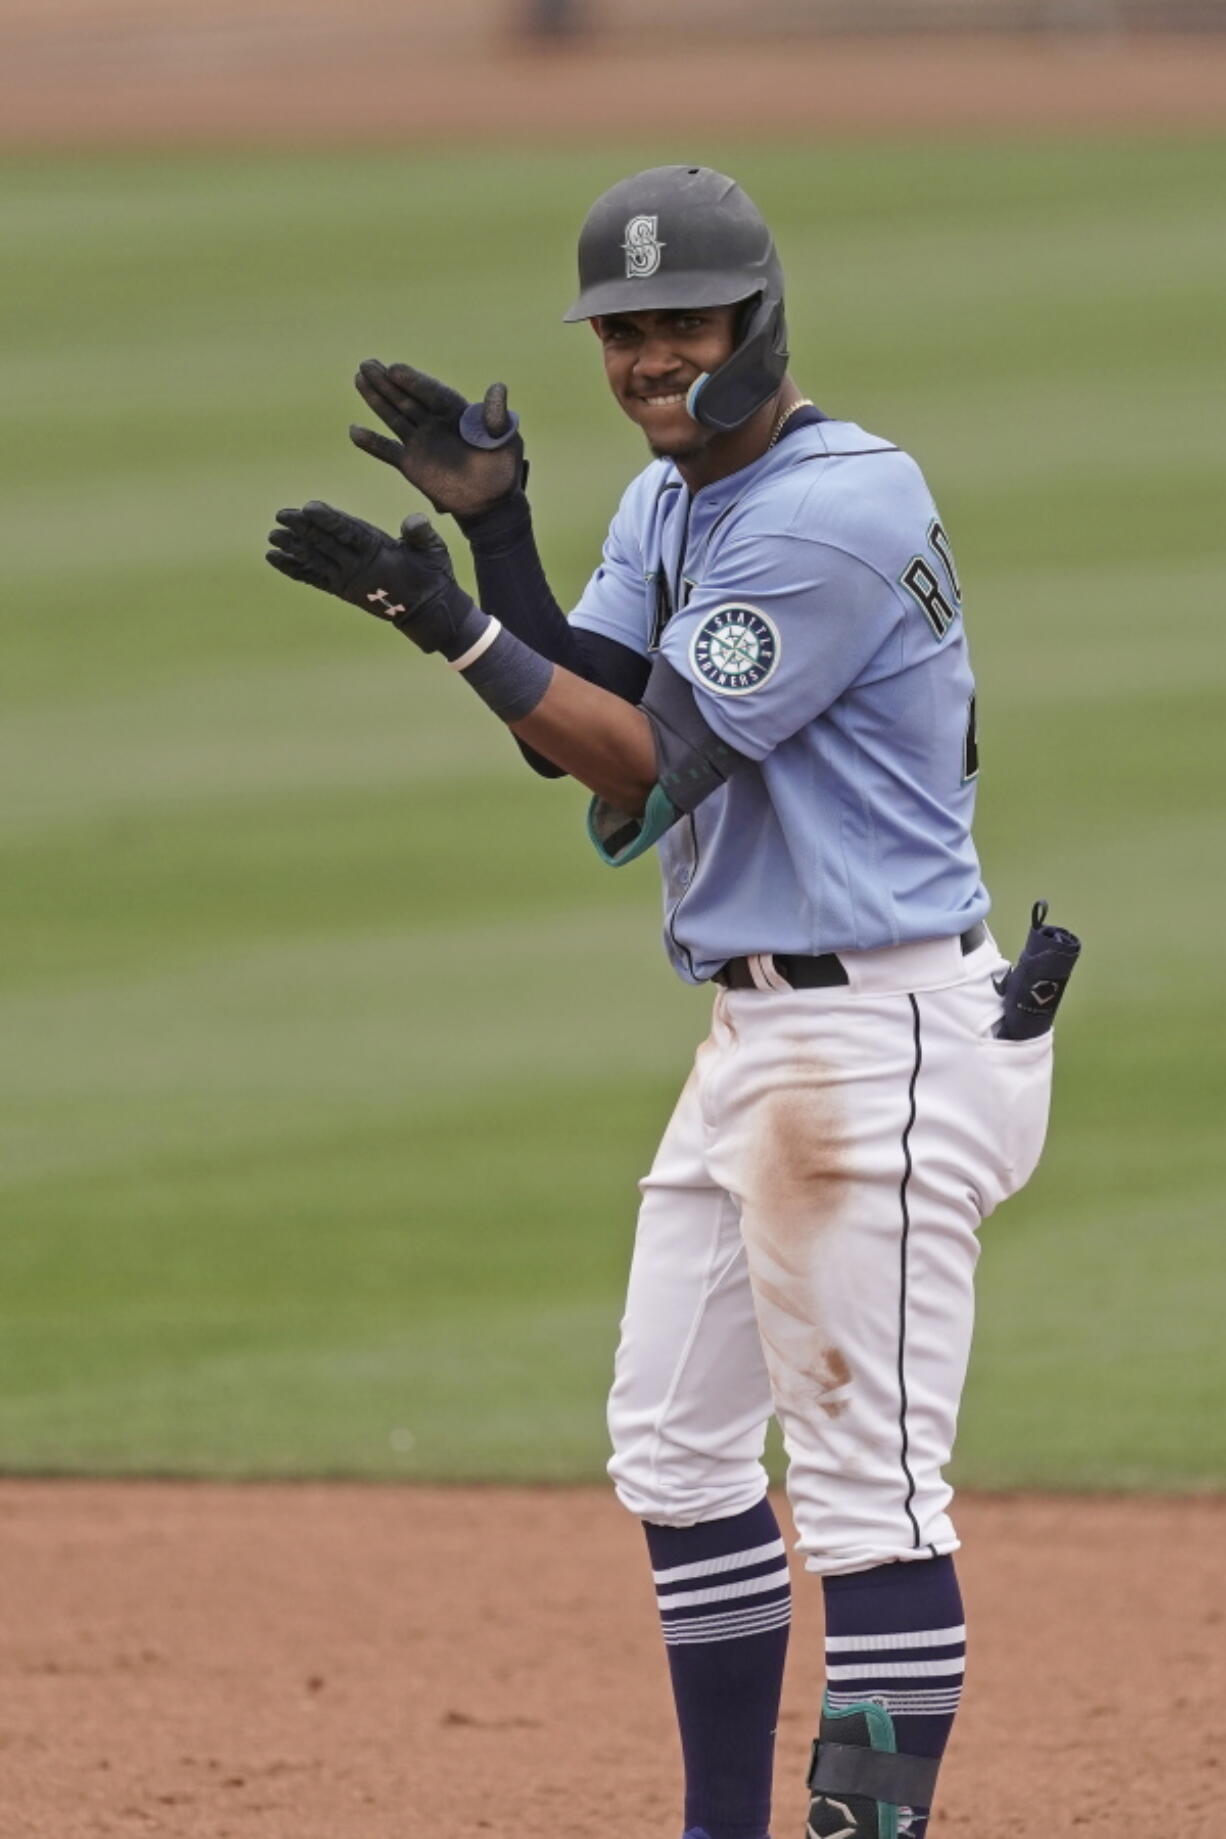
x=806, y=1248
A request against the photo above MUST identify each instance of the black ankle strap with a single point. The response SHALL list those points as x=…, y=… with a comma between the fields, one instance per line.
x=882, y=1775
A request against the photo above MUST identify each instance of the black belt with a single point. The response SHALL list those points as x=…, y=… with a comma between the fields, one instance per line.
x=822, y=973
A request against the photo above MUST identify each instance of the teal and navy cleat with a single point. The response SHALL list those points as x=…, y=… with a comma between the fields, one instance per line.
x=860, y=1786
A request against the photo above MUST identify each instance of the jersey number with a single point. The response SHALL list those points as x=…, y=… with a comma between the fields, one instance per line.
x=928, y=588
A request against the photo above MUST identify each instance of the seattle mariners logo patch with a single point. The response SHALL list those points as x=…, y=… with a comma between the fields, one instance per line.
x=643, y=248
x=735, y=649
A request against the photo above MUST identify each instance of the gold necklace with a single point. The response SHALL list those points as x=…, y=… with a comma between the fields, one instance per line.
x=804, y=403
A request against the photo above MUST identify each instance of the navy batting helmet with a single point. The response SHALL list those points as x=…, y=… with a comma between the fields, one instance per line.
x=685, y=236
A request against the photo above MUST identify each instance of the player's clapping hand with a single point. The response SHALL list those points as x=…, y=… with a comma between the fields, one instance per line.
x=406, y=580
x=463, y=456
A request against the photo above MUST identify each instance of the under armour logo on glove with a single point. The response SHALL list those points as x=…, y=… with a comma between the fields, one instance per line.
x=387, y=608
x=342, y=555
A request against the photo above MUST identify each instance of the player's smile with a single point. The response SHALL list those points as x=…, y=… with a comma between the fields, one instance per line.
x=652, y=360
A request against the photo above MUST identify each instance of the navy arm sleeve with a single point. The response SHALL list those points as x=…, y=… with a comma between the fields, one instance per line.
x=511, y=585
x=691, y=763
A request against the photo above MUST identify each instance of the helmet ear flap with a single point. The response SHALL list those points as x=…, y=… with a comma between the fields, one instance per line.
x=746, y=313
x=724, y=398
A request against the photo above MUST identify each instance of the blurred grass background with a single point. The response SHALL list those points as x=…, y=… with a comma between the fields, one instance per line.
x=332, y=1052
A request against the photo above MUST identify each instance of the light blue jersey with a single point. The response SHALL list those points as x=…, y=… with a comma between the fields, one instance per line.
x=811, y=600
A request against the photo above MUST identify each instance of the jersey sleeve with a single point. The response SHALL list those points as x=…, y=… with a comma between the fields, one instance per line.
x=614, y=602
x=778, y=629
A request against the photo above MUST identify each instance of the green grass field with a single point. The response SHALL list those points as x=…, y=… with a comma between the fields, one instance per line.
x=331, y=1051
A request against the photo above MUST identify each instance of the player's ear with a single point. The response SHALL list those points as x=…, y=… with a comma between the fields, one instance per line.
x=597, y=325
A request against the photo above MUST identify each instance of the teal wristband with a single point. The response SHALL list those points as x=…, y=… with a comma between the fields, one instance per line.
x=619, y=838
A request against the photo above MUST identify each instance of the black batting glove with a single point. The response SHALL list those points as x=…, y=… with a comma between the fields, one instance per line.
x=407, y=581
x=463, y=456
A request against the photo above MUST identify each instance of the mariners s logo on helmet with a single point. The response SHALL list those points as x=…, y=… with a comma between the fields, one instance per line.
x=643, y=248
x=735, y=649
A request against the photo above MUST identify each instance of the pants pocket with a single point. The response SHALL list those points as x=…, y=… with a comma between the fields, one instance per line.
x=1021, y=1072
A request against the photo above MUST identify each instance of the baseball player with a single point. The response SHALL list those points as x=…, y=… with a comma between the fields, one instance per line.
x=766, y=680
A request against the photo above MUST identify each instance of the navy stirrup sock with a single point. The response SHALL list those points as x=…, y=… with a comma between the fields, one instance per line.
x=897, y=1634
x=725, y=1605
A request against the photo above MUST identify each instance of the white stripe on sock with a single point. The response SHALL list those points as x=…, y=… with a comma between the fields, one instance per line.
x=752, y=1612
x=730, y=1634
x=898, y=1669
x=903, y=1704
x=884, y=1644
x=731, y=1628
x=722, y=1593
x=711, y=1567
x=741, y=1619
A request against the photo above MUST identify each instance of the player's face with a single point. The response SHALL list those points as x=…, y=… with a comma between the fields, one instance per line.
x=651, y=360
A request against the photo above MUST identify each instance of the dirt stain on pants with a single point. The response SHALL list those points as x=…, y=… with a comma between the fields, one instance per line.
x=800, y=1181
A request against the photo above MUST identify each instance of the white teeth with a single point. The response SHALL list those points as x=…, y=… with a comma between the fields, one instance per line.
x=659, y=402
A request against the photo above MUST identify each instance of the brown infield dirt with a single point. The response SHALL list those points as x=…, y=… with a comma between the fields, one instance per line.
x=413, y=72
x=347, y=1662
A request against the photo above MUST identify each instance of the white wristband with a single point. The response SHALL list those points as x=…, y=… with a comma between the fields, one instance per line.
x=480, y=648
